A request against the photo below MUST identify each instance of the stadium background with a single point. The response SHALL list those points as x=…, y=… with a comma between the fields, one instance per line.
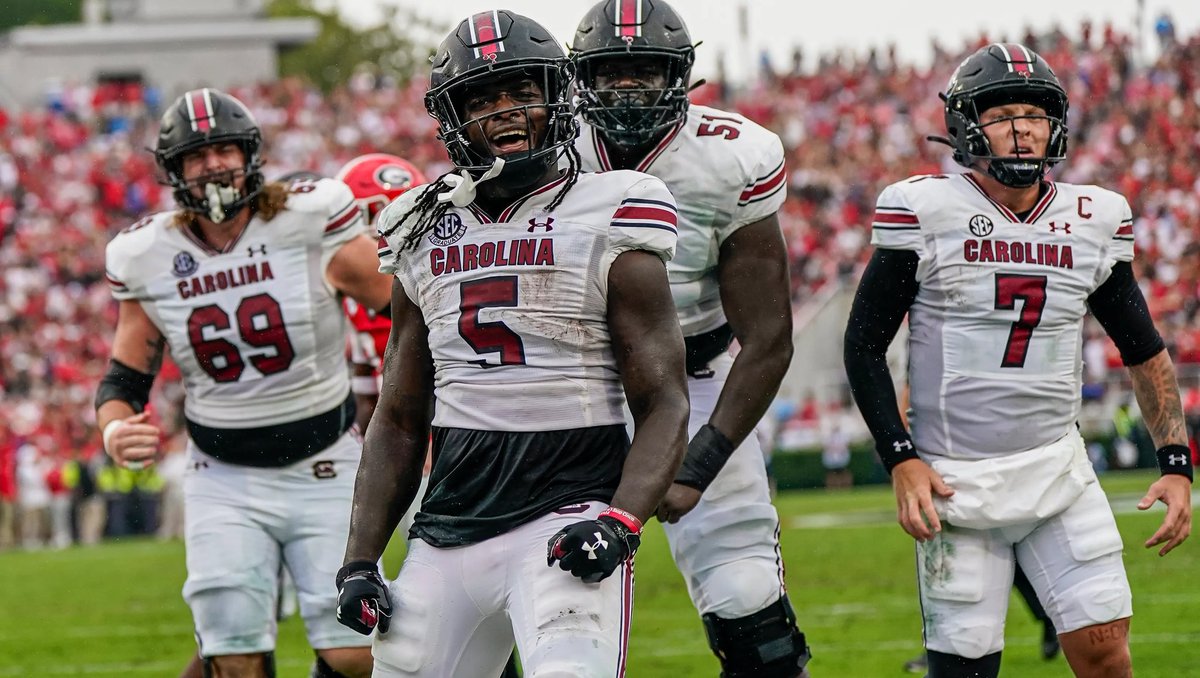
x=73, y=129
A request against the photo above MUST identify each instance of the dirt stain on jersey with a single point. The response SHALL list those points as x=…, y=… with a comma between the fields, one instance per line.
x=548, y=316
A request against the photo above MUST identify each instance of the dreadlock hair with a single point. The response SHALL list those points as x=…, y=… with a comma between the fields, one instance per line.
x=429, y=211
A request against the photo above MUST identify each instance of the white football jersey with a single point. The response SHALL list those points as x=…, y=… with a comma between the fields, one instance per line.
x=257, y=331
x=725, y=172
x=516, y=307
x=995, y=342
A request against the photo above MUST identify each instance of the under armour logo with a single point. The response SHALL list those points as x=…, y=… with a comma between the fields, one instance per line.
x=490, y=56
x=548, y=224
x=1177, y=460
x=902, y=445
x=628, y=39
x=1066, y=228
x=591, y=548
x=262, y=249
x=368, y=616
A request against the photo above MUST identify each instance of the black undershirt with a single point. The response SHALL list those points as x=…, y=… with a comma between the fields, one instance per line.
x=277, y=445
x=887, y=291
x=486, y=483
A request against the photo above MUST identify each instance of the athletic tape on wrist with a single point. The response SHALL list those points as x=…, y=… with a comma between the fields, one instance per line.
x=106, y=438
x=364, y=385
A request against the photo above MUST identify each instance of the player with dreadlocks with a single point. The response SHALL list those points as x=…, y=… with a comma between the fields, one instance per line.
x=529, y=137
x=432, y=202
x=536, y=310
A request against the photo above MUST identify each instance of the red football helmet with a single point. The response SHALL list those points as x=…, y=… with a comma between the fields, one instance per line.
x=377, y=179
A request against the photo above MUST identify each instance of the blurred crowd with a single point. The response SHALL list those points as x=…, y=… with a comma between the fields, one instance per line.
x=76, y=169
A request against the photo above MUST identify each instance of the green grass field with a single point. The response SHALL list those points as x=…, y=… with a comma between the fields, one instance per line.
x=116, y=610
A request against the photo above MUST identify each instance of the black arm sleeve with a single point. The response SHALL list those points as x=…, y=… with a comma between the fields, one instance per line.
x=887, y=290
x=122, y=382
x=1121, y=309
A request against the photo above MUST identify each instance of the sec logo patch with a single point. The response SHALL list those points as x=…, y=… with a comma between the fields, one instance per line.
x=448, y=231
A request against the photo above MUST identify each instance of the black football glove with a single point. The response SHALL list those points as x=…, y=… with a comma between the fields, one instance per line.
x=592, y=549
x=363, y=600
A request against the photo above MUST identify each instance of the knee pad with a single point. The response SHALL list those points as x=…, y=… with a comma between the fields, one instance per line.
x=231, y=620
x=766, y=644
x=1100, y=596
x=321, y=669
x=268, y=659
x=942, y=665
x=739, y=588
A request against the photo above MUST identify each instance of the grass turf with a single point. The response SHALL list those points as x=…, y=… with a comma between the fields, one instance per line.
x=115, y=610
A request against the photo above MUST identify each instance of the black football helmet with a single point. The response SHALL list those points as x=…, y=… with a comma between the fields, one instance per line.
x=200, y=118
x=300, y=176
x=618, y=28
x=489, y=46
x=1004, y=74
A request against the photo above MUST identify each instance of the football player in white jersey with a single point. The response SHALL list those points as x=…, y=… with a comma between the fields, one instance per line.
x=529, y=302
x=377, y=179
x=995, y=268
x=729, y=280
x=241, y=284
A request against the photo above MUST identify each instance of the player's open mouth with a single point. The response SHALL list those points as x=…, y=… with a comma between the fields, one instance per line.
x=221, y=178
x=510, y=141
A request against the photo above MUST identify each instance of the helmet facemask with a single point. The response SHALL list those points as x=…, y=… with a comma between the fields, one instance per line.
x=633, y=116
x=1004, y=74
x=545, y=143
x=972, y=146
x=220, y=200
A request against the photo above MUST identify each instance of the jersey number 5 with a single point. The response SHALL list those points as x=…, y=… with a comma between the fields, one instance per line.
x=260, y=324
x=1031, y=289
x=490, y=337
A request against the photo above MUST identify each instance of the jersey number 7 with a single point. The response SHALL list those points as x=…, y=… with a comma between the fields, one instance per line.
x=1031, y=289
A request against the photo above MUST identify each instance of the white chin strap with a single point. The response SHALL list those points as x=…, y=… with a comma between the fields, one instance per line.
x=462, y=186
x=218, y=197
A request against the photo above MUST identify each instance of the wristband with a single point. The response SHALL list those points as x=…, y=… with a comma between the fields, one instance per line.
x=706, y=456
x=1175, y=460
x=896, y=451
x=363, y=385
x=626, y=518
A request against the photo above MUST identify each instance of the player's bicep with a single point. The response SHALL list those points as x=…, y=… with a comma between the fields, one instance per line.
x=354, y=271
x=646, y=339
x=137, y=342
x=407, y=386
x=753, y=273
